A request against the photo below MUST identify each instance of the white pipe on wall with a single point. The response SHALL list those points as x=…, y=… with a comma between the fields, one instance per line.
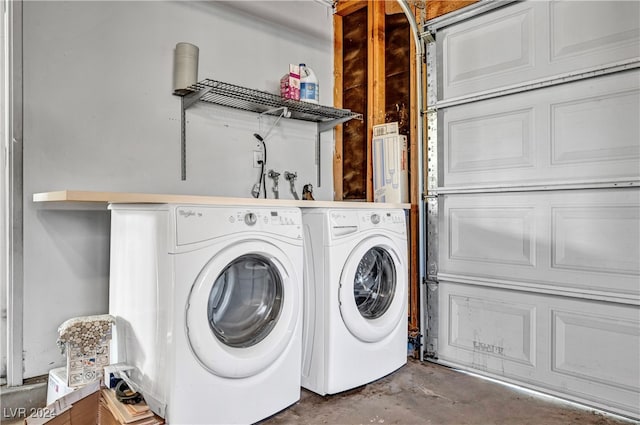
x=12, y=192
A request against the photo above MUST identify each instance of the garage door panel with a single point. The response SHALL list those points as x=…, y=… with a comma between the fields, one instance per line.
x=500, y=331
x=596, y=129
x=535, y=41
x=495, y=235
x=575, y=132
x=586, y=242
x=502, y=140
x=569, y=342
x=596, y=238
x=583, y=28
x=581, y=346
x=514, y=33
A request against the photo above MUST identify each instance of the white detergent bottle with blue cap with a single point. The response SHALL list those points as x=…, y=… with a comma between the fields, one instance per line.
x=309, y=88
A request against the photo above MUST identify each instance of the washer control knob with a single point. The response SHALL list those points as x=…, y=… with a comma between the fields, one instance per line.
x=250, y=219
x=375, y=218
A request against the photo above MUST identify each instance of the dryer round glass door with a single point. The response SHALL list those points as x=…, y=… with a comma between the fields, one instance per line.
x=373, y=288
x=243, y=309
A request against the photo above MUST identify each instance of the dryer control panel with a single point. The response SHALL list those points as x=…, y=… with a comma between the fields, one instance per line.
x=390, y=220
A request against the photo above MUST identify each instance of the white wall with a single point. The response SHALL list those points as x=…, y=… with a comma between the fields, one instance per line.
x=99, y=115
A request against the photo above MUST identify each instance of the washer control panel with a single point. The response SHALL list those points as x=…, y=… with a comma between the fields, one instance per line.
x=251, y=217
x=199, y=223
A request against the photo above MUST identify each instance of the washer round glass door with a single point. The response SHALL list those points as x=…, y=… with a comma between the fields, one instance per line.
x=242, y=309
x=373, y=289
x=374, y=283
x=245, y=301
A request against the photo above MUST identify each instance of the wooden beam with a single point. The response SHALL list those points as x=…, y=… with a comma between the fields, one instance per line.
x=391, y=7
x=377, y=63
x=337, y=101
x=376, y=81
x=347, y=7
x=437, y=8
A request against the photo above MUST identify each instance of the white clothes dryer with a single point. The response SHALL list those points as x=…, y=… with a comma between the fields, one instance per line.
x=207, y=301
x=355, y=297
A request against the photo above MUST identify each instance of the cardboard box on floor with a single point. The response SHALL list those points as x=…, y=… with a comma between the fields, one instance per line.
x=84, y=406
x=79, y=407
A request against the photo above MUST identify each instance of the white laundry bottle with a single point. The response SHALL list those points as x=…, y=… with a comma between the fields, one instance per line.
x=309, y=88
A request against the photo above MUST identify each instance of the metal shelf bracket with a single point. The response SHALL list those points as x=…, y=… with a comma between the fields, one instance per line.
x=329, y=125
x=322, y=127
x=186, y=101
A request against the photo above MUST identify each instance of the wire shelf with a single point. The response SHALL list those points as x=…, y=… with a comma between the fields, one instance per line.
x=238, y=97
x=233, y=96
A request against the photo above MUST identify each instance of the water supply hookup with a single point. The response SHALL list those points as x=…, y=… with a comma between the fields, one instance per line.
x=307, y=192
x=275, y=176
x=291, y=178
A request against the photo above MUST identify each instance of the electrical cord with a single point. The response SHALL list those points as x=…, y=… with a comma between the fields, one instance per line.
x=263, y=181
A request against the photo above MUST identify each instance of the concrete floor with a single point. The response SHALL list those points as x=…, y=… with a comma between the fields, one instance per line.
x=425, y=393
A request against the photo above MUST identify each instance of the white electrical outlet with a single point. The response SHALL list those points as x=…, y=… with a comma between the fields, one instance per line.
x=258, y=157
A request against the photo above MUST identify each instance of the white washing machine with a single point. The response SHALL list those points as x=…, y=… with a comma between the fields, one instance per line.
x=355, y=300
x=208, y=310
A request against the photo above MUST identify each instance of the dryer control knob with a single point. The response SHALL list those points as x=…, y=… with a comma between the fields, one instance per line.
x=250, y=219
x=375, y=218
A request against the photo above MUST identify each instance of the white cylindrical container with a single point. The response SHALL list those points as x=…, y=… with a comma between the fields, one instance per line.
x=185, y=67
x=309, y=87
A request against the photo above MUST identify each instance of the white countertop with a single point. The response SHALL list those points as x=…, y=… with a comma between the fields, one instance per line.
x=159, y=198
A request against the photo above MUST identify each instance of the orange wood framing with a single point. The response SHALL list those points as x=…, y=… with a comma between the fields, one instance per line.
x=337, y=101
x=437, y=8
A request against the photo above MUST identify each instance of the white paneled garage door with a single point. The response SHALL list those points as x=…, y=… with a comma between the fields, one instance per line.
x=534, y=198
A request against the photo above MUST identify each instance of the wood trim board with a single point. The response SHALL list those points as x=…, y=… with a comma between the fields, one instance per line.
x=160, y=198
